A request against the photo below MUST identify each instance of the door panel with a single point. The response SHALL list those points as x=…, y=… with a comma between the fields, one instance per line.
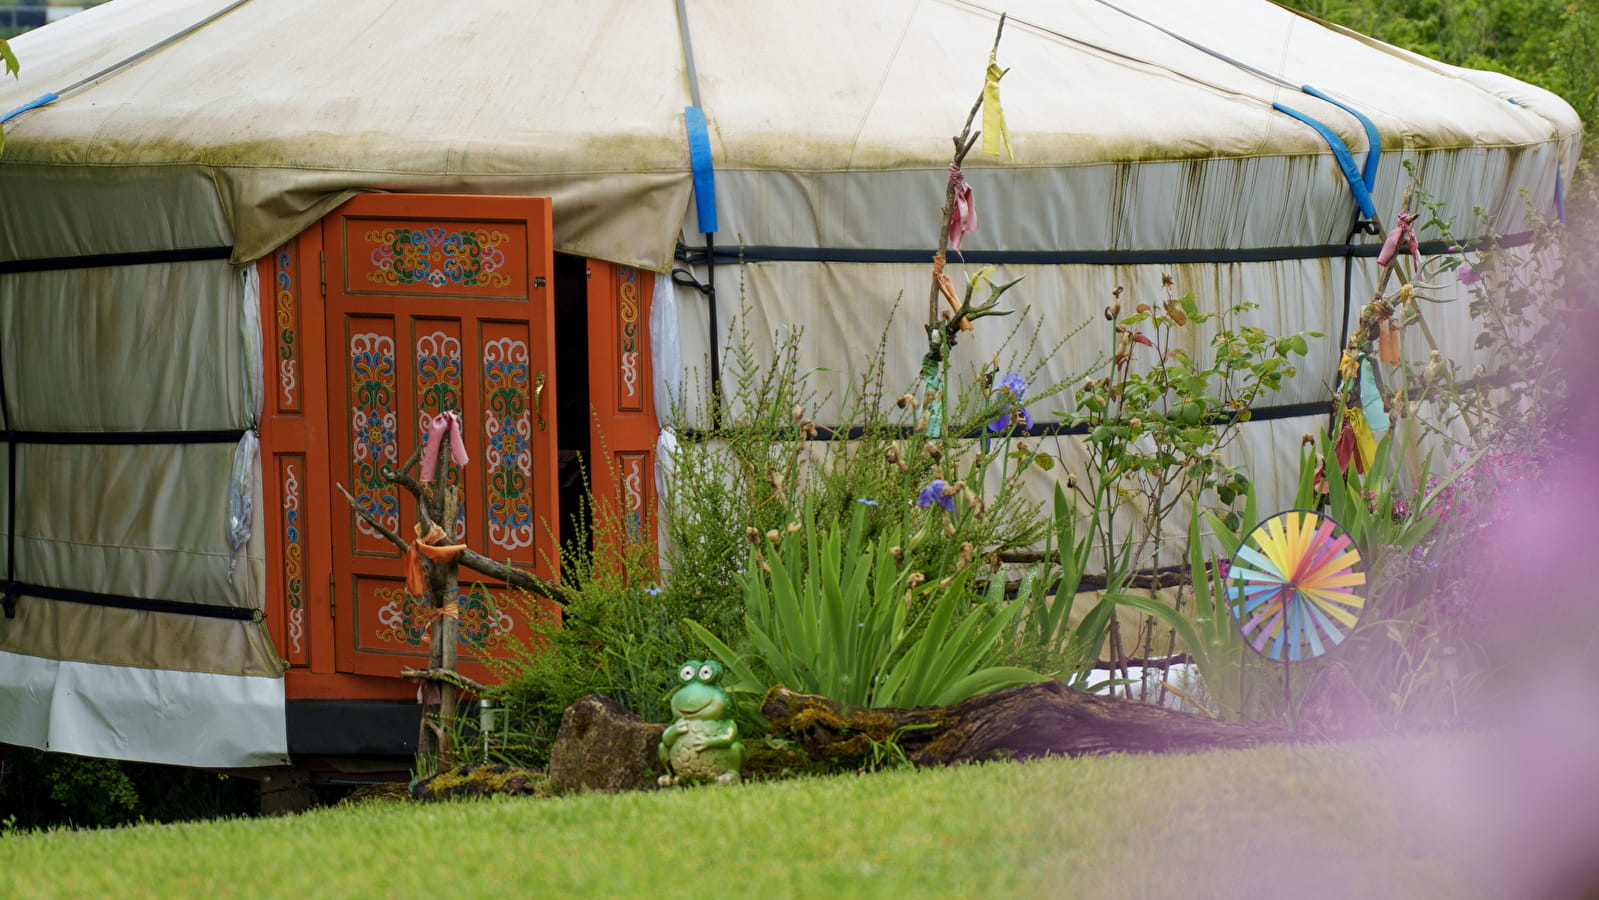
x=624, y=428
x=440, y=303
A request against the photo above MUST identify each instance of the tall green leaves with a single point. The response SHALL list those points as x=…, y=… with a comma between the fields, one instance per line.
x=827, y=612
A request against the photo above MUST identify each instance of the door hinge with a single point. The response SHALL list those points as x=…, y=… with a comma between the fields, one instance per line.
x=333, y=595
x=538, y=281
x=322, y=270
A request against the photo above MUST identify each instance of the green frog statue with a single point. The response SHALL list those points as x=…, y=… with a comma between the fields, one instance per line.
x=702, y=743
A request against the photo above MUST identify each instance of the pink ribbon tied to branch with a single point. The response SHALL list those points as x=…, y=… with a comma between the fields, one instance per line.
x=963, y=215
x=1402, y=231
x=443, y=423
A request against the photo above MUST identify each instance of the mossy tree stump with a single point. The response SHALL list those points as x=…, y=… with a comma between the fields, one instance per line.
x=1041, y=719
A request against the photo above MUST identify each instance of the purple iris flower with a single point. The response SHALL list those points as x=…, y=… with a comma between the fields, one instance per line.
x=1016, y=387
x=934, y=493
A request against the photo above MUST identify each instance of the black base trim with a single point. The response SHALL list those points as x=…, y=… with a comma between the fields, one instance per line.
x=768, y=253
x=117, y=601
x=353, y=727
x=101, y=260
x=1045, y=429
x=126, y=438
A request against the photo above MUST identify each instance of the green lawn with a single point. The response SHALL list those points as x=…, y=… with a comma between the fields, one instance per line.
x=1281, y=821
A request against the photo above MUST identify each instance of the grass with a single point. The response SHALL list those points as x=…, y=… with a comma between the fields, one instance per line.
x=1226, y=824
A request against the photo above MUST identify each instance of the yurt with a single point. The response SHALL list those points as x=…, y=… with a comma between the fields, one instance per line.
x=250, y=248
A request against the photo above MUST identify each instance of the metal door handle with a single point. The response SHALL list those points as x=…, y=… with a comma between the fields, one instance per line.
x=538, y=398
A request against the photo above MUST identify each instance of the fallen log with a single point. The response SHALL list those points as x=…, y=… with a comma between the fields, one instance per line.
x=1041, y=719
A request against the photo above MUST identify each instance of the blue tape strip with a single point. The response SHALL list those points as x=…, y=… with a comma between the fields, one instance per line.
x=1368, y=172
x=699, y=157
x=1560, y=197
x=1346, y=160
x=35, y=103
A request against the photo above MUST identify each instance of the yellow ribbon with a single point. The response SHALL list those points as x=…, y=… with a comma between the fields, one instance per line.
x=1365, y=441
x=994, y=133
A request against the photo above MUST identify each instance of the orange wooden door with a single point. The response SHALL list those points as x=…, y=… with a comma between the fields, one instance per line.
x=438, y=303
x=621, y=386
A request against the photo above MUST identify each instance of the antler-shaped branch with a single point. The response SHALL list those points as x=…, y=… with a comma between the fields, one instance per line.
x=471, y=559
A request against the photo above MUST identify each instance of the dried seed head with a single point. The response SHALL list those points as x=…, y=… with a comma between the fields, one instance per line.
x=1022, y=446
x=775, y=479
x=773, y=536
x=793, y=528
x=1407, y=293
x=808, y=429
x=929, y=396
x=899, y=555
x=968, y=553
x=970, y=497
x=1306, y=439
x=915, y=580
x=921, y=423
x=752, y=535
x=766, y=567
x=1136, y=422
x=930, y=451
x=949, y=527
x=944, y=583
x=908, y=401
x=951, y=489
x=1071, y=482
x=797, y=414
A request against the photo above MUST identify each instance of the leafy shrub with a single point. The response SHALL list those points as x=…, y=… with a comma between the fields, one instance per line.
x=832, y=614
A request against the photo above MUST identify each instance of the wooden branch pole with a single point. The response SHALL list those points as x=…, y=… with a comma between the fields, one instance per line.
x=473, y=560
x=444, y=583
x=963, y=145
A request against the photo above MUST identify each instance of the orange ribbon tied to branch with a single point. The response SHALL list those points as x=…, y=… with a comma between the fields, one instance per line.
x=445, y=423
x=427, y=546
x=1403, y=231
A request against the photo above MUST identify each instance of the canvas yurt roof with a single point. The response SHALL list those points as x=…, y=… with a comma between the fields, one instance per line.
x=287, y=107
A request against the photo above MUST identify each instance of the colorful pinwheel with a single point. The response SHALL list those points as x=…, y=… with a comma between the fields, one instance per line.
x=1296, y=581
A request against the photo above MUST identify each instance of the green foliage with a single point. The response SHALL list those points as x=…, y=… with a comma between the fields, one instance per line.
x=40, y=789
x=622, y=635
x=830, y=613
x=751, y=467
x=1048, y=591
x=1158, y=420
x=1552, y=43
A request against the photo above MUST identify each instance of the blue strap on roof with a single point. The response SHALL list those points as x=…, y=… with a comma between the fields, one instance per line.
x=699, y=157
x=1346, y=160
x=1368, y=172
x=41, y=100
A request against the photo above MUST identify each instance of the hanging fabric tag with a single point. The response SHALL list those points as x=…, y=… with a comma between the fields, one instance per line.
x=994, y=133
x=963, y=213
x=1371, y=406
x=1388, y=341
